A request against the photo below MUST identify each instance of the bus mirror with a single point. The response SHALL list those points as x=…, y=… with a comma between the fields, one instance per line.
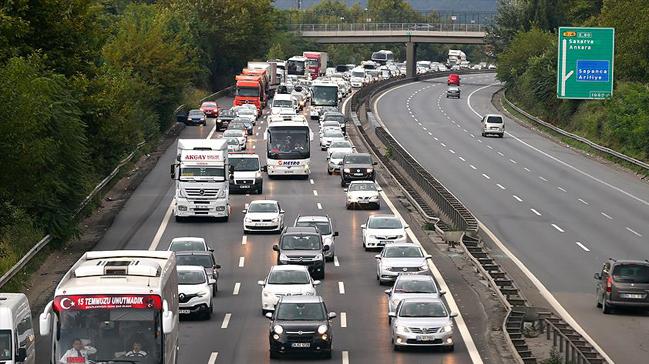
x=21, y=355
x=45, y=320
x=172, y=171
x=167, y=319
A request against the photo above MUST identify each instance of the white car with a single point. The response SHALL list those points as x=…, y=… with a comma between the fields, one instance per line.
x=412, y=286
x=285, y=280
x=360, y=193
x=329, y=136
x=493, y=124
x=335, y=161
x=194, y=291
x=340, y=146
x=329, y=124
x=263, y=215
x=248, y=113
x=188, y=244
x=246, y=106
x=400, y=258
x=240, y=135
x=380, y=230
x=233, y=144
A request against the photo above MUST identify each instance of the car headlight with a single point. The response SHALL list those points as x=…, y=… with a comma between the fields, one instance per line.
x=322, y=329
x=283, y=257
x=275, y=219
x=318, y=257
x=221, y=193
x=278, y=329
x=247, y=219
x=446, y=328
x=372, y=236
x=203, y=293
x=399, y=236
x=347, y=170
x=423, y=267
x=402, y=329
x=369, y=170
x=328, y=240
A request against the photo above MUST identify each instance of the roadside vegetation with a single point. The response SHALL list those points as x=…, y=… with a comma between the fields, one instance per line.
x=525, y=39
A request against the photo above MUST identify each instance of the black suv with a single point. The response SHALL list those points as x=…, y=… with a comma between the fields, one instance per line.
x=224, y=119
x=356, y=167
x=302, y=246
x=300, y=324
x=622, y=283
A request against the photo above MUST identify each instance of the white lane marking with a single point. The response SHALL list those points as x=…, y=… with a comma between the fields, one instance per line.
x=209, y=136
x=226, y=321
x=336, y=261
x=311, y=181
x=244, y=240
x=462, y=159
x=242, y=261
x=442, y=144
x=490, y=147
x=319, y=206
x=429, y=133
x=257, y=134
x=501, y=154
x=345, y=357
x=424, y=128
x=472, y=166
x=315, y=193
x=500, y=186
x=254, y=147
x=163, y=226
x=527, y=169
x=466, y=131
x=479, y=141
x=543, y=179
x=436, y=138
x=634, y=232
x=606, y=215
x=513, y=161
x=341, y=287
x=459, y=320
x=418, y=123
x=452, y=151
x=343, y=319
x=536, y=212
x=561, y=189
x=582, y=201
x=558, y=228
x=213, y=357
x=237, y=287
x=485, y=176
x=517, y=198
x=472, y=136
x=582, y=246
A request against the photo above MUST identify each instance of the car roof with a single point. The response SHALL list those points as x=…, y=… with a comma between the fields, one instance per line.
x=301, y=299
x=194, y=252
x=187, y=238
x=498, y=115
x=401, y=245
x=363, y=182
x=415, y=277
x=424, y=299
x=194, y=268
x=378, y=216
x=313, y=218
x=362, y=154
x=301, y=230
x=290, y=267
x=263, y=201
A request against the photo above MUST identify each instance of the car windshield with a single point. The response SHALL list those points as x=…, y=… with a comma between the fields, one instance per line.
x=263, y=207
x=415, y=286
x=300, y=312
x=362, y=187
x=631, y=273
x=358, y=74
x=422, y=309
x=191, y=277
x=333, y=134
x=301, y=242
x=196, y=113
x=494, y=120
x=246, y=111
x=340, y=145
x=288, y=277
x=187, y=246
x=384, y=223
x=201, y=172
x=244, y=164
x=402, y=252
x=338, y=155
x=5, y=345
x=209, y=104
x=335, y=117
x=204, y=261
x=232, y=133
x=358, y=159
x=283, y=103
x=323, y=226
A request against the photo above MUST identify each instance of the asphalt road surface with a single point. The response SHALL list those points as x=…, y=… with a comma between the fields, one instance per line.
x=561, y=213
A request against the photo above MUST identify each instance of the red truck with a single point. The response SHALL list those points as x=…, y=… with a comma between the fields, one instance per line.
x=250, y=89
x=316, y=63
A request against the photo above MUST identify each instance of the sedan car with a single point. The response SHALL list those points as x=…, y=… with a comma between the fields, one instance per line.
x=300, y=324
x=340, y=146
x=247, y=113
x=400, y=258
x=285, y=280
x=329, y=136
x=239, y=134
x=205, y=260
x=335, y=161
x=194, y=292
x=380, y=230
x=422, y=322
x=323, y=224
x=188, y=244
x=328, y=124
x=362, y=193
x=263, y=215
x=411, y=286
x=210, y=108
x=196, y=117
x=453, y=91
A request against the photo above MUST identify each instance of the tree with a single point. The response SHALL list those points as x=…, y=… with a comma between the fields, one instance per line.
x=513, y=62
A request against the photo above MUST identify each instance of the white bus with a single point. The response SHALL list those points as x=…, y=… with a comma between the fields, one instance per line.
x=111, y=302
x=383, y=56
x=288, y=147
x=296, y=66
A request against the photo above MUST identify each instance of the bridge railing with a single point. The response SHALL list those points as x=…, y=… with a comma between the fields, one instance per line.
x=388, y=27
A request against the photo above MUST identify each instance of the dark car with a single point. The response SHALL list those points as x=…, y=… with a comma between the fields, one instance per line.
x=302, y=246
x=243, y=124
x=356, y=167
x=300, y=324
x=453, y=91
x=204, y=259
x=224, y=119
x=196, y=117
x=622, y=283
x=336, y=116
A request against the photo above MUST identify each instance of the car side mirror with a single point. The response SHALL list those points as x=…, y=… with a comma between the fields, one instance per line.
x=442, y=292
x=392, y=314
x=281, y=211
x=379, y=190
x=325, y=248
x=276, y=247
x=428, y=256
x=375, y=163
x=269, y=315
x=332, y=315
x=210, y=250
x=335, y=233
x=217, y=266
x=21, y=355
x=597, y=276
x=453, y=314
x=316, y=283
x=345, y=190
x=261, y=283
x=363, y=226
x=231, y=169
x=378, y=256
x=172, y=171
x=406, y=226
x=245, y=211
x=388, y=291
x=264, y=169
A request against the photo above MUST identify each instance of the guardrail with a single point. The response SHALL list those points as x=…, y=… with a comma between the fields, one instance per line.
x=578, y=138
x=388, y=27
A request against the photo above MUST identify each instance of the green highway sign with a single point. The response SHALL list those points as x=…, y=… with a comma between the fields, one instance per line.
x=585, y=63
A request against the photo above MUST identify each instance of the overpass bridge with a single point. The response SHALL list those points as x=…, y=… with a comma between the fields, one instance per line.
x=408, y=33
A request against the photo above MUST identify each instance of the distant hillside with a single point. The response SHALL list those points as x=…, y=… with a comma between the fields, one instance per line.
x=423, y=5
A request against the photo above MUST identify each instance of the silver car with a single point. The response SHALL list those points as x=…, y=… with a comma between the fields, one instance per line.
x=412, y=286
x=335, y=161
x=323, y=224
x=422, y=322
x=397, y=258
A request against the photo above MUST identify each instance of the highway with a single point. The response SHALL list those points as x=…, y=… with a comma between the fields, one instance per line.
x=560, y=213
x=237, y=332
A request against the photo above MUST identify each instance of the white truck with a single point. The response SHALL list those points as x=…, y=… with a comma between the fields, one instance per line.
x=201, y=173
x=455, y=56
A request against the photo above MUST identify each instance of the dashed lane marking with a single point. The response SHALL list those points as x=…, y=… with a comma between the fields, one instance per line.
x=341, y=287
x=633, y=232
x=336, y=261
x=558, y=228
x=213, y=357
x=582, y=246
x=535, y=212
x=244, y=240
x=237, y=287
x=242, y=261
x=226, y=321
x=343, y=319
x=606, y=215
x=517, y=198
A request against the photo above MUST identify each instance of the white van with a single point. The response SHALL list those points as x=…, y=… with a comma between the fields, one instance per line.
x=282, y=102
x=493, y=124
x=17, y=340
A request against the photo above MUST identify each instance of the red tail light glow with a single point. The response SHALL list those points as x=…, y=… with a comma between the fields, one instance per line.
x=609, y=284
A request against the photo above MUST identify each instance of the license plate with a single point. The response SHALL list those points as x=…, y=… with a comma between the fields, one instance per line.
x=244, y=186
x=424, y=338
x=183, y=312
x=358, y=174
x=301, y=345
x=633, y=295
x=383, y=242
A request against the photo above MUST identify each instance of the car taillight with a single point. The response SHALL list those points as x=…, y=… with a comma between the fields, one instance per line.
x=609, y=284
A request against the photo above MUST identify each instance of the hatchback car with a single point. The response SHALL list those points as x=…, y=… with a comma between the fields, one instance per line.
x=243, y=124
x=233, y=144
x=188, y=244
x=285, y=280
x=303, y=246
x=422, y=322
x=356, y=167
x=493, y=124
x=453, y=79
x=336, y=116
x=362, y=193
x=196, y=117
x=203, y=259
x=411, y=286
x=263, y=215
x=335, y=161
x=236, y=133
x=622, y=283
x=400, y=258
x=210, y=108
x=194, y=292
x=453, y=91
x=224, y=118
x=323, y=224
x=247, y=113
x=300, y=324
x=340, y=146
x=380, y=230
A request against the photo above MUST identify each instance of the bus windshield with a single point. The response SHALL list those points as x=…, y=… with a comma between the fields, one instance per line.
x=288, y=143
x=325, y=96
x=295, y=67
x=5, y=344
x=93, y=327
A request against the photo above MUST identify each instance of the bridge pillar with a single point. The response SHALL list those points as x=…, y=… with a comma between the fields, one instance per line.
x=411, y=59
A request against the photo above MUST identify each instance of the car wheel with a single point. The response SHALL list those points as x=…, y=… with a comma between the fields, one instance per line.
x=260, y=190
x=378, y=205
x=215, y=289
x=451, y=348
x=208, y=314
x=342, y=183
x=274, y=355
x=397, y=348
x=501, y=135
x=606, y=308
x=484, y=134
x=329, y=171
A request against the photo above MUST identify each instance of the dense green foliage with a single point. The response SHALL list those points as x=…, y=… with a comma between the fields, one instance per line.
x=525, y=34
